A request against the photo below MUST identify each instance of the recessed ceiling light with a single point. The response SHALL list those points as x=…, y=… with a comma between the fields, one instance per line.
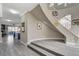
x=51, y=4
x=13, y=11
x=65, y=4
x=8, y=20
x=60, y=3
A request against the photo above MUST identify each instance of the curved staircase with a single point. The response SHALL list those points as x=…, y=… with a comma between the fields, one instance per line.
x=54, y=48
x=71, y=38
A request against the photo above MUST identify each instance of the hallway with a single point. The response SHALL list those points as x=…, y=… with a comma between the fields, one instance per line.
x=11, y=47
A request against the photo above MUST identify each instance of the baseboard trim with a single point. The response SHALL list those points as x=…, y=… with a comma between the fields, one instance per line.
x=70, y=43
x=23, y=43
x=43, y=39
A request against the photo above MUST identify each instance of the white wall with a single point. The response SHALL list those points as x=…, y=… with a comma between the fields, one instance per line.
x=24, y=34
x=75, y=29
x=0, y=10
x=44, y=32
x=0, y=22
x=33, y=34
x=0, y=32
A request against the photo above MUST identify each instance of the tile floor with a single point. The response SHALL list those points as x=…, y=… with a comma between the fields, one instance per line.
x=11, y=47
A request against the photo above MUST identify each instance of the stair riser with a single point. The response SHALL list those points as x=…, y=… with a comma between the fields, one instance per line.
x=38, y=52
x=52, y=52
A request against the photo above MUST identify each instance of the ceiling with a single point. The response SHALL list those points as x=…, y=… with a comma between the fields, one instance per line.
x=19, y=7
x=59, y=6
x=25, y=7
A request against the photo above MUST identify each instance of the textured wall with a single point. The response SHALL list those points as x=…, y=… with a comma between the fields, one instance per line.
x=32, y=33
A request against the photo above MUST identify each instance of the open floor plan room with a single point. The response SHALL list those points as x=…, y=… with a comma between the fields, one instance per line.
x=39, y=29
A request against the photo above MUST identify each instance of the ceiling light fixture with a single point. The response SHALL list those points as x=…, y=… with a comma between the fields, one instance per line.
x=13, y=11
x=51, y=4
x=65, y=4
x=8, y=20
x=59, y=4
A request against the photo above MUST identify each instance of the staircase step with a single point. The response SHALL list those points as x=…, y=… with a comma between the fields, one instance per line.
x=38, y=52
x=48, y=50
x=44, y=53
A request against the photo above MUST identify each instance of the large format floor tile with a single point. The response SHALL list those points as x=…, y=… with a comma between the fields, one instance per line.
x=11, y=47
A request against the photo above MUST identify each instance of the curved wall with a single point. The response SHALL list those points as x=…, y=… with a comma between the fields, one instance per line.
x=70, y=37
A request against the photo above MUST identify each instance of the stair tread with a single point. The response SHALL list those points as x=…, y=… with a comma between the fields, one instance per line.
x=42, y=51
x=53, y=45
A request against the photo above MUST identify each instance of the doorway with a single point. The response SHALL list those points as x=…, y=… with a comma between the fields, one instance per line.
x=14, y=31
